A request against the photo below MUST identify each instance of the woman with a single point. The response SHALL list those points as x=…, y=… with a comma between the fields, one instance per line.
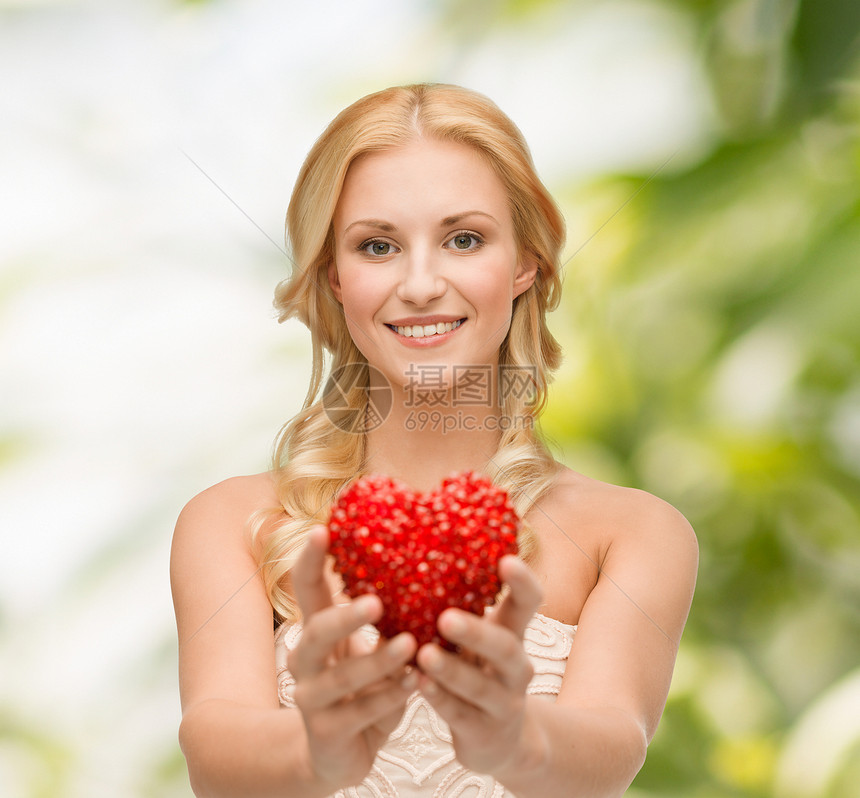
x=426, y=256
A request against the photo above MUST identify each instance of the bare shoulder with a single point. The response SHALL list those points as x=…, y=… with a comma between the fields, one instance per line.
x=229, y=503
x=217, y=522
x=236, y=494
x=618, y=515
x=588, y=528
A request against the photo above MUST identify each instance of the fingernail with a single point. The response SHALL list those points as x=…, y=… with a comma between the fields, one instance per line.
x=455, y=624
x=363, y=608
x=399, y=647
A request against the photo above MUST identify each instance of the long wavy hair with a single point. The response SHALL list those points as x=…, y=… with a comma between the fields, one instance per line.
x=314, y=459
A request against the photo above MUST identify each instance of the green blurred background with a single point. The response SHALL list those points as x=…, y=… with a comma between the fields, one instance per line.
x=706, y=155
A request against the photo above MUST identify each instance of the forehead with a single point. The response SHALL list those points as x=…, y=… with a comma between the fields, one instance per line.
x=424, y=178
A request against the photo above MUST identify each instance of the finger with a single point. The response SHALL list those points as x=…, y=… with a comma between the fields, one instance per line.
x=363, y=712
x=523, y=598
x=308, y=575
x=385, y=725
x=448, y=676
x=498, y=646
x=353, y=676
x=327, y=629
x=463, y=719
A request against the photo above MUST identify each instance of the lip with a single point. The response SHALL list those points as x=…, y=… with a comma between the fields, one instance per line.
x=410, y=321
x=430, y=340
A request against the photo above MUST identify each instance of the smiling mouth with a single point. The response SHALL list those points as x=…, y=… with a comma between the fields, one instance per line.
x=426, y=330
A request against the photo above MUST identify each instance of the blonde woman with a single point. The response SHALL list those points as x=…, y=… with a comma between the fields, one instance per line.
x=426, y=255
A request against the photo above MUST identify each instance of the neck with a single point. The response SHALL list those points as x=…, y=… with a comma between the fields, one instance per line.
x=423, y=439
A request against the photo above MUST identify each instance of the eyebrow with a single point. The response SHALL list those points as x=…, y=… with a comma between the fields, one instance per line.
x=449, y=220
x=387, y=227
x=379, y=224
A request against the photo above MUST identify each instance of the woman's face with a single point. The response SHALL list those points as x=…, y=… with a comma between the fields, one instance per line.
x=426, y=262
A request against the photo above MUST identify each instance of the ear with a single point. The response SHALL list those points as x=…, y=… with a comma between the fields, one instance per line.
x=527, y=270
x=334, y=281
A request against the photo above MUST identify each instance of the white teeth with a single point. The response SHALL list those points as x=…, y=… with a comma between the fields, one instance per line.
x=425, y=331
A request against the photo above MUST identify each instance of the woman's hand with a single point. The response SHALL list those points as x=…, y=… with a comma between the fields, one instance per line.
x=481, y=692
x=351, y=696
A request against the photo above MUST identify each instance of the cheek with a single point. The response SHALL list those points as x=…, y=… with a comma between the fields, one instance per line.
x=356, y=296
x=493, y=287
x=360, y=305
x=494, y=313
x=495, y=297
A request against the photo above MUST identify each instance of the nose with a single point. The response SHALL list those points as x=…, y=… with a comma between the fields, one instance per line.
x=421, y=280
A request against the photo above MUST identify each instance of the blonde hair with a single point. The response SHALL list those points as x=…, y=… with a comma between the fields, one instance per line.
x=314, y=458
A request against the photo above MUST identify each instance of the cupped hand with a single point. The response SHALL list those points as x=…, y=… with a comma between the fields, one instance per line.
x=480, y=692
x=351, y=695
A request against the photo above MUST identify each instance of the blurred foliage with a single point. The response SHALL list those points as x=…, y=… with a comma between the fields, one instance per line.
x=714, y=342
x=39, y=761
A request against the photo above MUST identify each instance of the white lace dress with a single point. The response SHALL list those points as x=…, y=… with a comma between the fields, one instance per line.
x=418, y=758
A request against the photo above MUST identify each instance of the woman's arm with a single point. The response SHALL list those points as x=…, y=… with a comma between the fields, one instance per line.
x=592, y=741
x=236, y=739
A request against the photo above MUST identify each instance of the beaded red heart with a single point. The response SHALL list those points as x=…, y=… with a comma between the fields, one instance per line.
x=422, y=552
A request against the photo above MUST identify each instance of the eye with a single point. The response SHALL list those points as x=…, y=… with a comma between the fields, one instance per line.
x=376, y=247
x=465, y=242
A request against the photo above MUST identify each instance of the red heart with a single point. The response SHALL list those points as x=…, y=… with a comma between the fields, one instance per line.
x=421, y=553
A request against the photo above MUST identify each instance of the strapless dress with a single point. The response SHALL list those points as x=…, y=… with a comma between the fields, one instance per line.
x=418, y=757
